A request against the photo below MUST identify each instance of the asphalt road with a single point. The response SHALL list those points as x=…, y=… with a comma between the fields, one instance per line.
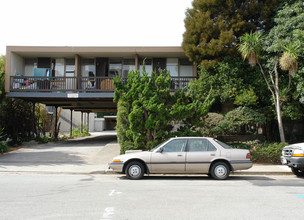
x=100, y=197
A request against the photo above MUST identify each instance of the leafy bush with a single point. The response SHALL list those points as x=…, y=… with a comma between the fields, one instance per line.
x=269, y=154
x=3, y=147
x=43, y=139
x=263, y=152
x=77, y=132
x=242, y=120
x=211, y=127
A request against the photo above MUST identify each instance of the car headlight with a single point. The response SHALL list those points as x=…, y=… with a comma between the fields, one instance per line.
x=298, y=153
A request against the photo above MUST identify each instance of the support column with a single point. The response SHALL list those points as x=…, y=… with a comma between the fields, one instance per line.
x=88, y=121
x=81, y=124
x=55, y=122
x=136, y=62
x=71, y=123
x=34, y=121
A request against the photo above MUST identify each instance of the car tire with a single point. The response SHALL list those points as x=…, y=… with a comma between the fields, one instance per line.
x=135, y=170
x=298, y=172
x=220, y=171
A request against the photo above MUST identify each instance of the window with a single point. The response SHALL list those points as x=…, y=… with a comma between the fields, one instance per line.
x=128, y=65
x=175, y=146
x=200, y=145
x=87, y=67
x=59, y=67
x=222, y=144
x=172, y=66
x=70, y=67
x=29, y=65
x=185, y=67
x=115, y=67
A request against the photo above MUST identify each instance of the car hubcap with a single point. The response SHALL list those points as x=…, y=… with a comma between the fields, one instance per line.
x=134, y=170
x=220, y=171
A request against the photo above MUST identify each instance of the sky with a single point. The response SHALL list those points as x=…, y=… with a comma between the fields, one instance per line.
x=92, y=23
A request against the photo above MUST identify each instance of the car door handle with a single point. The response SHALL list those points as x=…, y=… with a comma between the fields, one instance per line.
x=212, y=154
x=179, y=155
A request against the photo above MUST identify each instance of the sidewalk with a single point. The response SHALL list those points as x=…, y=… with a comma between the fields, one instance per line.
x=84, y=158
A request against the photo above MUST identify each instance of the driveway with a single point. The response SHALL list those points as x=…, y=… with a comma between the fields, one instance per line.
x=80, y=155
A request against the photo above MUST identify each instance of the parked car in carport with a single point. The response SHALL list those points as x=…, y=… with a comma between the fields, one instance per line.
x=184, y=155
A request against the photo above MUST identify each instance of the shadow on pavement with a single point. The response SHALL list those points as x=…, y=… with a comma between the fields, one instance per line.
x=262, y=181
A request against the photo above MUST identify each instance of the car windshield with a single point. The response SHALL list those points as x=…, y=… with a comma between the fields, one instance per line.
x=154, y=148
x=222, y=144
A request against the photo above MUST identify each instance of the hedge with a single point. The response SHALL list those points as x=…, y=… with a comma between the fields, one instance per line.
x=263, y=152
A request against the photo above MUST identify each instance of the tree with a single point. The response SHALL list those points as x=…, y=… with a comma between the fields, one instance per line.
x=230, y=82
x=2, y=87
x=2, y=63
x=288, y=35
x=147, y=109
x=251, y=48
x=213, y=27
x=16, y=118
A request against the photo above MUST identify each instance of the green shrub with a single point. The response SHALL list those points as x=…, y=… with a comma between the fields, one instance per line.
x=269, y=154
x=3, y=147
x=43, y=139
x=262, y=152
x=77, y=132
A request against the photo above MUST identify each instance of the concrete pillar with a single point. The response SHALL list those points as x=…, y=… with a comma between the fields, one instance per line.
x=71, y=123
x=136, y=62
x=55, y=122
x=88, y=121
x=34, y=121
x=81, y=123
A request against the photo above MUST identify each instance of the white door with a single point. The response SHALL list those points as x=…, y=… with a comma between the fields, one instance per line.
x=171, y=159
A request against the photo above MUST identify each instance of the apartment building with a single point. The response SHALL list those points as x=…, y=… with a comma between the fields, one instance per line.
x=80, y=79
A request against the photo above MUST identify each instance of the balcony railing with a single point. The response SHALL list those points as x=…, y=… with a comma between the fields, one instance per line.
x=76, y=84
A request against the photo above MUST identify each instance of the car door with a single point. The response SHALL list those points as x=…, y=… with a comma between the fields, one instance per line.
x=171, y=159
x=200, y=153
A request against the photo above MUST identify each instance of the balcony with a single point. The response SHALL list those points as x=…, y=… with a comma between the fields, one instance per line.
x=76, y=84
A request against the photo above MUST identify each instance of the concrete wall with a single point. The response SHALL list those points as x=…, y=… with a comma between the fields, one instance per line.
x=65, y=116
x=17, y=64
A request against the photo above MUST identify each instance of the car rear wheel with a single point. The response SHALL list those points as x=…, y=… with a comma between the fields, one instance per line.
x=297, y=171
x=220, y=171
x=135, y=170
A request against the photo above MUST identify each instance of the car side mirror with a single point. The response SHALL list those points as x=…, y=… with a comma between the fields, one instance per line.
x=160, y=150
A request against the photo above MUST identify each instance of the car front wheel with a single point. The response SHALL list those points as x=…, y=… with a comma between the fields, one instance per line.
x=220, y=171
x=298, y=172
x=135, y=170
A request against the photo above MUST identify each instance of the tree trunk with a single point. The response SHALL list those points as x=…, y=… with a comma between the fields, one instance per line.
x=277, y=101
x=276, y=95
x=279, y=116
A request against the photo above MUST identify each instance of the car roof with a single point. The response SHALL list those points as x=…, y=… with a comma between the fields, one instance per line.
x=192, y=138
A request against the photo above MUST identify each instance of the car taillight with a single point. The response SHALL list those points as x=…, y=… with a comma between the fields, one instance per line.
x=248, y=156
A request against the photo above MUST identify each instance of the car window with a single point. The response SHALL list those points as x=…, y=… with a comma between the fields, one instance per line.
x=175, y=146
x=211, y=147
x=222, y=144
x=200, y=145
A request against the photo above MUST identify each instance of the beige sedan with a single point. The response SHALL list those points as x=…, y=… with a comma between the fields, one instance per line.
x=184, y=155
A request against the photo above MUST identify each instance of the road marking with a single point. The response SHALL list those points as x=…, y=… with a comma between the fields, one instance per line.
x=107, y=214
x=113, y=192
x=299, y=195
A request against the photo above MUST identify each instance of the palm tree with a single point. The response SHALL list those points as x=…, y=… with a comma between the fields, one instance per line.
x=250, y=48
